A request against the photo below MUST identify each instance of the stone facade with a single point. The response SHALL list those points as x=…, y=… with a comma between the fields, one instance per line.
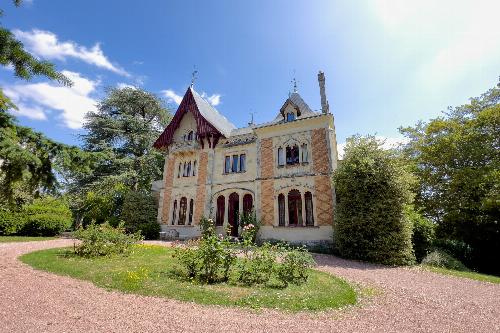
x=281, y=170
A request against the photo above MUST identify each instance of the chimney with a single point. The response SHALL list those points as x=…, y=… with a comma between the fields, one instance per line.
x=325, y=108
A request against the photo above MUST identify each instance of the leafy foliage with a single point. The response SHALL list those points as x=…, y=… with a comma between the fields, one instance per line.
x=444, y=260
x=104, y=240
x=139, y=214
x=250, y=227
x=373, y=188
x=11, y=222
x=423, y=233
x=257, y=266
x=457, y=163
x=47, y=216
x=123, y=130
x=293, y=266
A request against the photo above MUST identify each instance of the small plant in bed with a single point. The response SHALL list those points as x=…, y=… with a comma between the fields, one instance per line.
x=212, y=270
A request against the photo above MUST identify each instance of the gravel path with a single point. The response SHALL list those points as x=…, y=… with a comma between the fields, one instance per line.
x=412, y=301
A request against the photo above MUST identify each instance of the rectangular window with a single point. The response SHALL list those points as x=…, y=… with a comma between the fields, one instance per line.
x=227, y=165
x=235, y=163
x=194, y=168
x=281, y=157
x=243, y=162
x=305, y=153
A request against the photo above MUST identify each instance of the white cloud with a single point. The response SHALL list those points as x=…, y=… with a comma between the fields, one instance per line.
x=452, y=39
x=213, y=99
x=172, y=96
x=73, y=102
x=33, y=112
x=45, y=44
x=387, y=143
x=122, y=85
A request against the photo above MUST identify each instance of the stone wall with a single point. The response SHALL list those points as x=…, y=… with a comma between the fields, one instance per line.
x=324, y=200
x=267, y=202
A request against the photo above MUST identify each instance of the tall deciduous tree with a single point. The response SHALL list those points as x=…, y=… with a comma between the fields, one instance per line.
x=457, y=161
x=123, y=129
x=373, y=189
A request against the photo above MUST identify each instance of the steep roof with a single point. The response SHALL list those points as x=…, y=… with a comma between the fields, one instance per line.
x=209, y=122
x=212, y=115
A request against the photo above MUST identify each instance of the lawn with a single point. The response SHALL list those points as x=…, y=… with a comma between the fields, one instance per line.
x=11, y=239
x=464, y=274
x=152, y=270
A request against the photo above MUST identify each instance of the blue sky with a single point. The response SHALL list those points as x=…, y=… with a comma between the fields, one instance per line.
x=387, y=63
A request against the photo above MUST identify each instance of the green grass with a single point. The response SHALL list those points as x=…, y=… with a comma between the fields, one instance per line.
x=464, y=274
x=151, y=270
x=10, y=239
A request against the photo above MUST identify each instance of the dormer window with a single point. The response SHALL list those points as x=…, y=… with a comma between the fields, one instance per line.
x=190, y=136
x=290, y=116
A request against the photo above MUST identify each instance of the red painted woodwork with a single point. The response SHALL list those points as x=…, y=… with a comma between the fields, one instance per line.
x=204, y=128
x=233, y=212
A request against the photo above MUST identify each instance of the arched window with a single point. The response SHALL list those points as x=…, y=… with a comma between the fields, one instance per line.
x=188, y=172
x=184, y=173
x=281, y=157
x=305, y=153
x=174, y=212
x=247, y=203
x=292, y=155
x=294, y=208
x=221, y=209
x=182, y=211
x=194, y=168
x=309, y=209
x=281, y=210
x=234, y=213
x=179, y=173
x=191, y=207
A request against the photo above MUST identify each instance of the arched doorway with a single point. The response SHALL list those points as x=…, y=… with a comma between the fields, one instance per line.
x=247, y=203
x=294, y=208
x=233, y=213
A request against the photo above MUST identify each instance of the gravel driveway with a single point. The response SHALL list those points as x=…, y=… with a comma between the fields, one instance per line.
x=412, y=301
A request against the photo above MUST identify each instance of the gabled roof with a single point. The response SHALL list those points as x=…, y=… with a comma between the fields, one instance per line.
x=212, y=115
x=209, y=122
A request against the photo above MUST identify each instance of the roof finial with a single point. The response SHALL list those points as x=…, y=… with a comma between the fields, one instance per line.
x=194, y=76
x=294, y=81
x=251, y=123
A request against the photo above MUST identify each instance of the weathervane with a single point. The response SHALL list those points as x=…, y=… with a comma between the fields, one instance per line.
x=194, y=76
x=294, y=81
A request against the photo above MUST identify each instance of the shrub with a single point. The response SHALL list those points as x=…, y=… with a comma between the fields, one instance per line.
x=11, y=222
x=257, y=266
x=293, y=266
x=456, y=249
x=443, y=260
x=423, y=233
x=250, y=226
x=207, y=227
x=372, y=188
x=46, y=216
x=104, y=240
x=209, y=260
x=139, y=213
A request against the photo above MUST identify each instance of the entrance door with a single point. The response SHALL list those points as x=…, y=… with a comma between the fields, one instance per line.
x=233, y=212
x=294, y=208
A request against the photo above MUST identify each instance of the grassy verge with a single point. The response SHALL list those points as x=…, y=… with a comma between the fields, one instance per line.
x=11, y=239
x=464, y=274
x=151, y=270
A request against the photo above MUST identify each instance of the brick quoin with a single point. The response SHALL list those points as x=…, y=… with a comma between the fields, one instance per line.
x=324, y=200
x=199, y=204
x=321, y=162
x=267, y=173
x=267, y=160
x=267, y=202
x=167, y=193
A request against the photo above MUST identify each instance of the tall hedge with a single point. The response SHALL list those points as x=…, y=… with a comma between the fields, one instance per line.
x=139, y=214
x=47, y=216
x=372, y=188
